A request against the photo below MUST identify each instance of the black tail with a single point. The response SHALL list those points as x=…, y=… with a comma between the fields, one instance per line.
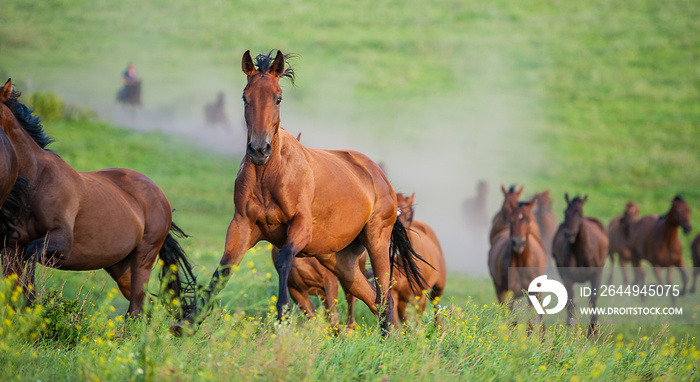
x=176, y=273
x=402, y=250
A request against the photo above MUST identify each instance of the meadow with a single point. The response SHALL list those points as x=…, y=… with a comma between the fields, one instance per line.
x=594, y=98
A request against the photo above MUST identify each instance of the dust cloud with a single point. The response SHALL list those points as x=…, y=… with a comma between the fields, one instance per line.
x=439, y=150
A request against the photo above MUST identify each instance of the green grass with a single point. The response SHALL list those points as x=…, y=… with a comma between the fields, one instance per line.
x=593, y=97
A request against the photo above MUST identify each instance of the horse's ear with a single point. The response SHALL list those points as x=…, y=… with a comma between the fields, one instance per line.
x=566, y=197
x=6, y=91
x=503, y=189
x=528, y=206
x=520, y=191
x=299, y=137
x=277, y=67
x=583, y=201
x=247, y=64
x=410, y=200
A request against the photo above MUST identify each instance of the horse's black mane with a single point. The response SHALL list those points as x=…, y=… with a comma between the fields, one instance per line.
x=29, y=122
x=264, y=61
x=678, y=198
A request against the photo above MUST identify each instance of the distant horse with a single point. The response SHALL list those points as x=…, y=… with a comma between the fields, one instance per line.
x=580, y=247
x=695, y=251
x=434, y=271
x=309, y=277
x=546, y=220
x=619, y=236
x=116, y=219
x=327, y=204
x=655, y=238
x=500, y=221
x=475, y=212
x=516, y=247
x=215, y=112
x=474, y=209
x=130, y=94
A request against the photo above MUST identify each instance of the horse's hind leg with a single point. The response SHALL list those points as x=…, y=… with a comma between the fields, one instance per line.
x=376, y=238
x=343, y=265
x=696, y=272
x=121, y=273
x=143, y=257
x=302, y=299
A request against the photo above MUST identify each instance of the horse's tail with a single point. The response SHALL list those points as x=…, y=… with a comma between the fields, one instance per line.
x=403, y=257
x=176, y=274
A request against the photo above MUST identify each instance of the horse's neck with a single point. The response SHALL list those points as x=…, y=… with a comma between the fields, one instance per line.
x=26, y=149
x=669, y=229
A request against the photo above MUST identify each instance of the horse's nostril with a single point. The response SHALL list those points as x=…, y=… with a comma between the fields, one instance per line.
x=251, y=150
x=268, y=149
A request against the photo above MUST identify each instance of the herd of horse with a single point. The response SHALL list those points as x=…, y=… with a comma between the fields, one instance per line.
x=526, y=235
x=326, y=212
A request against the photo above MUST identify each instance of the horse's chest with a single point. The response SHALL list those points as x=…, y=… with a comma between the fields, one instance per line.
x=267, y=215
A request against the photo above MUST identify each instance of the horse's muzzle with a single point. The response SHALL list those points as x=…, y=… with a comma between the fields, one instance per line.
x=518, y=245
x=687, y=228
x=570, y=236
x=259, y=155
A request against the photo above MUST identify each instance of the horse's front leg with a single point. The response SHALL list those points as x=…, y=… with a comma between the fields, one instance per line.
x=50, y=250
x=595, y=285
x=240, y=237
x=298, y=237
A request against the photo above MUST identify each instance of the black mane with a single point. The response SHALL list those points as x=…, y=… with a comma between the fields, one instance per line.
x=29, y=122
x=264, y=61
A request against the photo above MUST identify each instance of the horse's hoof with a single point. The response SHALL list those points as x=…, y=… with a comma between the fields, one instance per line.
x=184, y=328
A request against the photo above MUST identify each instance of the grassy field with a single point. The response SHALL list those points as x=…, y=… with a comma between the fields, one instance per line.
x=595, y=97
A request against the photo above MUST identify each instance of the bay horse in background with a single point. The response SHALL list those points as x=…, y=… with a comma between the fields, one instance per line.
x=516, y=247
x=695, y=253
x=580, y=248
x=215, y=112
x=434, y=270
x=546, y=220
x=655, y=239
x=327, y=204
x=116, y=219
x=619, y=237
x=501, y=220
x=309, y=277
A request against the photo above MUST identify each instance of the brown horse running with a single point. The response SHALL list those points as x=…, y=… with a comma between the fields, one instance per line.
x=655, y=239
x=545, y=218
x=500, y=221
x=309, y=277
x=434, y=271
x=13, y=187
x=516, y=247
x=327, y=204
x=619, y=236
x=580, y=248
x=695, y=253
x=116, y=219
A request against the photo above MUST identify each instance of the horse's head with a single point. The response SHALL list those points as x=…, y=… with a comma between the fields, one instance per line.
x=680, y=213
x=573, y=217
x=544, y=201
x=511, y=197
x=482, y=189
x=262, y=97
x=405, y=209
x=630, y=216
x=5, y=94
x=520, y=225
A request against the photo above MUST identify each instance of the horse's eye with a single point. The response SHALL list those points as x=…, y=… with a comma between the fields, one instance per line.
x=279, y=100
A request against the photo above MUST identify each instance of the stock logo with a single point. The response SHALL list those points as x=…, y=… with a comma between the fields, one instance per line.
x=542, y=285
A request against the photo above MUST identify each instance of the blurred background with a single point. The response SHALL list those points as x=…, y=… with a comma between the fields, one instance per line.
x=597, y=97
